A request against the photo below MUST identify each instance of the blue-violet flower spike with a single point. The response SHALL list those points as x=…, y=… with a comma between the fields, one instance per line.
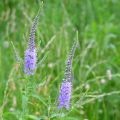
x=30, y=53
x=66, y=87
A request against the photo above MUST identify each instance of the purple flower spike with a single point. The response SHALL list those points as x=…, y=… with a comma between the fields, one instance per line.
x=30, y=53
x=30, y=61
x=65, y=95
x=66, y=87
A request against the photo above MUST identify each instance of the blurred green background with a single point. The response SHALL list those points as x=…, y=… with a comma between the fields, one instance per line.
x=96, y=64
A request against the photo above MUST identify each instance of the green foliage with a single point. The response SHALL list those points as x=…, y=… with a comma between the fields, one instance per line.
x=96, y=84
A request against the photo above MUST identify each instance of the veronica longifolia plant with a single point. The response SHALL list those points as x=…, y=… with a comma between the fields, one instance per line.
x=66, y=86
x=30, y=53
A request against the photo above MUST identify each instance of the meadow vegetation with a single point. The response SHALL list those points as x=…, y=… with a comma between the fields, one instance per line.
x=95, y=24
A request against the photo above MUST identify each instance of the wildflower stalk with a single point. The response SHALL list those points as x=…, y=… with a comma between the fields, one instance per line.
x=66, y=86
x=30, y=53
x=68, y=69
